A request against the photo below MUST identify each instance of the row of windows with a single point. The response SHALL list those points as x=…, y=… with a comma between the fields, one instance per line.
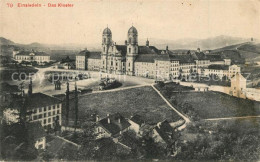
x=174, y=69
x=47, y=108
x=31, y=58
x=40, y=116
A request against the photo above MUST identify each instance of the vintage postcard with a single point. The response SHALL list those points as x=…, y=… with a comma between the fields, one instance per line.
x=132, y=80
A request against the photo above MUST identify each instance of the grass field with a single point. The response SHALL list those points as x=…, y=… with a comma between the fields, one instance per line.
x=218, y=105
x=144, y=101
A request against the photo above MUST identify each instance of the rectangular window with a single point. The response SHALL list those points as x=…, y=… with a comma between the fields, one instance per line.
x=35, y=117
x=49, y=113
x=44, y=115
x=49, y=120
x=49, y=108
x=40, y=116
x=40, y=110
x=44, y=108
x=53, y=112
x=44, y=121
x=129, y=50
x=58, y=111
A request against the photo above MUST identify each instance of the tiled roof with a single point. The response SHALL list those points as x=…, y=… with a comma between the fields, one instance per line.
x=58, y=145
x=218, y=67
x=36, y=100
x=114, y=127
x=27, y=53
x=88, y=54
x=35, y=130
x=199, y=56
x=146, y=58
x=164, y=57
x=5, y=87
x=148, y=50
x=137, y=119
x=165, y=131
x=129, y=140
x=182, y=58
x=214, y=57
x=40, y=100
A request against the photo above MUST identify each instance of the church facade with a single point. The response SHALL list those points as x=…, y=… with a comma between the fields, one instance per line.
x=144, y=60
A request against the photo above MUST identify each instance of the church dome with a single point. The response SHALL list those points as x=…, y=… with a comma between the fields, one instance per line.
x=107, y=31
x=132, y=30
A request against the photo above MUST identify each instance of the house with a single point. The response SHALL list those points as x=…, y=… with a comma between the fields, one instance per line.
x=217, y=70
x=37, y=133
x=39, y=107
x=136, y=122
x=7, y=93
x=86, y=60
x=163, y=133
x=112, y=126
x=238, y=86
x=31, y=56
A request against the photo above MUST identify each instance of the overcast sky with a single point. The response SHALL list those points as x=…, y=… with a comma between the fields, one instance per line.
x=169, y=20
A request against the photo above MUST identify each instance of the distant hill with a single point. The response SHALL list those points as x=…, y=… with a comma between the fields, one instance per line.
x=203, y=44
x=4, y=41
x=216, y=44
x=249, y=50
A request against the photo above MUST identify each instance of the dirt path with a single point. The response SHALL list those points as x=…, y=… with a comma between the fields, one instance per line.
x=187, y=120
x=230, y=118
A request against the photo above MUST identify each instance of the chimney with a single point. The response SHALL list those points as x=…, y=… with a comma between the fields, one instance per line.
x=119, y=120
x=115, y=43
x=125, y=42
x=108, y=119
x=167, y=48
x=198, y=49
x=97, y=118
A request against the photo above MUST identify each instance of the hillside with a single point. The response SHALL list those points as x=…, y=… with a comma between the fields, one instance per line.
x=4, y=41
x=204, y=44
x=249, y=51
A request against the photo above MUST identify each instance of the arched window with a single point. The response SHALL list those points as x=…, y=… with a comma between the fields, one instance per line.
x=129, y=40
x=129, y=50
x=104, y=49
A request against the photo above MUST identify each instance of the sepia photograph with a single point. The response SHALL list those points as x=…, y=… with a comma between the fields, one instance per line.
x=129, y=80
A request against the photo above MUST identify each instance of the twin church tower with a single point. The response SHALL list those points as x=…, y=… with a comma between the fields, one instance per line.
x=119, y=59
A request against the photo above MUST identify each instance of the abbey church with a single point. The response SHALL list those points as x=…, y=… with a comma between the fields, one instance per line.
x=148, y=61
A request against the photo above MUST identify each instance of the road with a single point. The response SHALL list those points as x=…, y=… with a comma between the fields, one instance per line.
x=187, y=120
x=41, y=83
x=231, y=118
